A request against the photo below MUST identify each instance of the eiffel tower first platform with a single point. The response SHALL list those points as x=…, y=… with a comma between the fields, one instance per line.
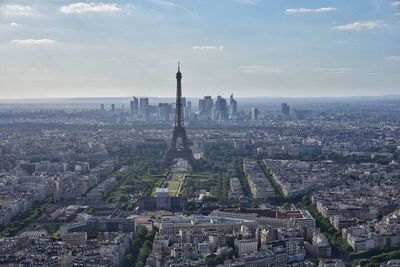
x=179, y=147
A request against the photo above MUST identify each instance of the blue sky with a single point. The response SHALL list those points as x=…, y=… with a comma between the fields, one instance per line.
x=291, y=48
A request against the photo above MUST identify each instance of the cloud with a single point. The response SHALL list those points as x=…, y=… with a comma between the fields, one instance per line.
x=396, y=3
x=247, y=2
x=81, y=8
x=33, y=41
x=14, y=24
x=208, y=47
x=259, y=68
x=394, y=58
x=168, y=4
x=356, y=26
x=338, y=72
x=342, y=42
x=310, y=10
x=397, y=14
x=17, y=10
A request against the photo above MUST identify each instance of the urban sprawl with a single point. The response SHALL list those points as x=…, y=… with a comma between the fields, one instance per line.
x=301, y=183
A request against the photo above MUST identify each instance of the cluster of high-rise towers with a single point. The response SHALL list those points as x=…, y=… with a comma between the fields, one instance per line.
x=140, y=108
x=218, y=110
x=208, y=109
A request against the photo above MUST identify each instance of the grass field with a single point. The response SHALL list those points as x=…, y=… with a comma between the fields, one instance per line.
x=195, y=182
x=175, y=182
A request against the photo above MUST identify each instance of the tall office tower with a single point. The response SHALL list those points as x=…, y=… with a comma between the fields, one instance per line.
x=184, y=102
x=179, y=147
x=134, y=106
x=202, y=108
x=184, y=107
x=222, y=107
x=208, y=105
x=102, y=107
x=285, y=109
x=254, y=113
x=215, y=114
x=232, y=108
x=144, y=104
x=112, y=107
x=189, y=110
x=147, y=114
x=164, y=111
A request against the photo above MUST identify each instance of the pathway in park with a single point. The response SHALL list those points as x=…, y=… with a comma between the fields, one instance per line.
x=176, y=177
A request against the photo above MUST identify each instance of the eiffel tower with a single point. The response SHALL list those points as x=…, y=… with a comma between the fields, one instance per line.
x=179, y=149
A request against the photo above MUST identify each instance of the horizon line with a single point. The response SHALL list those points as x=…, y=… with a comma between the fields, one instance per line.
x=195, y=97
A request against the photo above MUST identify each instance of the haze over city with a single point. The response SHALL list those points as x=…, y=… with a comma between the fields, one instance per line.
x=251, y=48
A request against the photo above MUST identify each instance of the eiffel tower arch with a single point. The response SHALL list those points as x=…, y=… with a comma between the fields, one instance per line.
x=179, y=147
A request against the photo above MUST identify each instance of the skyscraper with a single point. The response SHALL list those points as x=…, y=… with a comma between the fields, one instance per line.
x=205, y=108
x=221, y=109
x=164, y=111
x=285, y=109
x=202, y=108
x=188, y=110
x=184, y=102
x=232, y=108
x=254, y=113
x=184, y=107
x=147, y=114
x=144, y=103
x=112, y=107
x=134, y=105
x=208, y=105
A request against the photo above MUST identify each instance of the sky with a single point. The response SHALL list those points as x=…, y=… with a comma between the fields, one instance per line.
x=251, y=48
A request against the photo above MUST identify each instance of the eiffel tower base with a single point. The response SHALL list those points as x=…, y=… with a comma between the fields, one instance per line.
x=185, y=154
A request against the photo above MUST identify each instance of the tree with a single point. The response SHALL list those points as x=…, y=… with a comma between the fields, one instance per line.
x=305, y=200
x=141, y=232
x=144, y=253
x=214, y=260
x=286, y=206
x=129, y=260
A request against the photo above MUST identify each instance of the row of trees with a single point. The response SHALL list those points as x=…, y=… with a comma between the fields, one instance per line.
x=335, y=239
x=140, y=248
x=268, y=173
x=384, y=256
